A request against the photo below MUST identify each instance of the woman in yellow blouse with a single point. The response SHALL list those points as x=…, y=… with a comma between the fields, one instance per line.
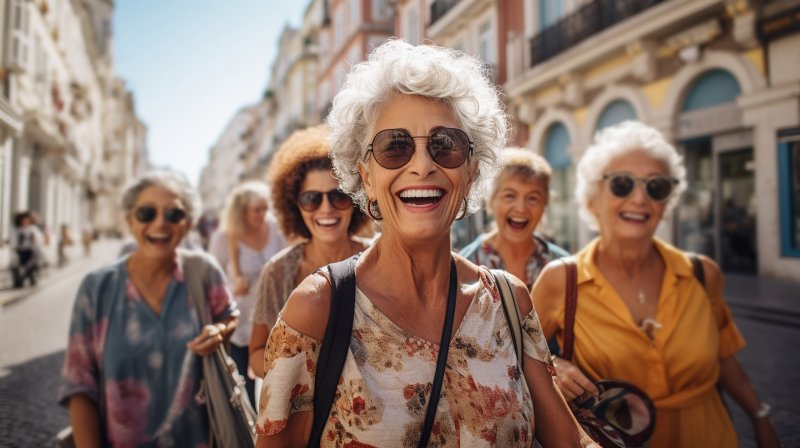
x=642, y=315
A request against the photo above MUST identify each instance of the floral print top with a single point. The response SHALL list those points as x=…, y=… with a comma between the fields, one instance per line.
x=134, y=363
x=388, y=374
x=481, y=253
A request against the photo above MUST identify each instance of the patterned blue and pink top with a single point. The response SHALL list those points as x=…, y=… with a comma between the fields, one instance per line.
x=134, y=363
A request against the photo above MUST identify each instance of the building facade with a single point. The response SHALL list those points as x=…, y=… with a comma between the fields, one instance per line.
x=719, y=78
x=59, y=158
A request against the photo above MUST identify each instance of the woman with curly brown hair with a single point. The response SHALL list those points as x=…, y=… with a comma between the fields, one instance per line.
x=309, y=206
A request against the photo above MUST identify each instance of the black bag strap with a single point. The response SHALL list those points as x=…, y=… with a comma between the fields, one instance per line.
x=570, y=305
x=441, y=362
x=697, y=267
x=335, y=344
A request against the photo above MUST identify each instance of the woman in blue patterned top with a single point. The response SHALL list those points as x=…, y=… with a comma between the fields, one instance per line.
x=517, y=200
x=131, y=373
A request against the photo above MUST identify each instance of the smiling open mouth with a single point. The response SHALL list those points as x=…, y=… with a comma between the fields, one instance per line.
x=517, y=223
x=327, y=222
x=158, y=238
x=635, y=217
x=421, y=197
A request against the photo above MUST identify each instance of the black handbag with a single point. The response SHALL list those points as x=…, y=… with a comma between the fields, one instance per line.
x=231, y=416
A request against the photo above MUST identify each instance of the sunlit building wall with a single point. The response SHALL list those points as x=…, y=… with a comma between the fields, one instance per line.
x=719, y=78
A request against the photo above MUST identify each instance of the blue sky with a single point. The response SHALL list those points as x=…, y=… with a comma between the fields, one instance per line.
x=192, y=64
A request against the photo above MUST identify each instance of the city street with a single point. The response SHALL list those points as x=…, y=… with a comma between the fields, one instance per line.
x=33, y=337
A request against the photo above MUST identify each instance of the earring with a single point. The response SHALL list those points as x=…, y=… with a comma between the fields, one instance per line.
x=374, y=214
x=462, y=212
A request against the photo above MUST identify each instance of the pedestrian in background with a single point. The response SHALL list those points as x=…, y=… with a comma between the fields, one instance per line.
x=64, y=241
x=87, y=237
x=642, y=314
x=517, y=200
x=415, y=134
x=253, y=237
x=131, y=372
x=27, y=241
x=309, y=205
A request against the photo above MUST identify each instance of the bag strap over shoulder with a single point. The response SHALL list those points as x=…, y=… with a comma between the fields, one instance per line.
x=194, y=272
x=511, y=310
x=697, y=267
x=570, y=305
x=335, y=344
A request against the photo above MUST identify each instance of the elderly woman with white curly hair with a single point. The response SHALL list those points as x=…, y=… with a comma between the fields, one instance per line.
x=645, y=311
x=415, y=134
x=132, y=372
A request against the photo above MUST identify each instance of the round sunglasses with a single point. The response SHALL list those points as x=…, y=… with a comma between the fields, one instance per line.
x=147, y=214
x=448, y=147
x=311, y=200
x=658, y=188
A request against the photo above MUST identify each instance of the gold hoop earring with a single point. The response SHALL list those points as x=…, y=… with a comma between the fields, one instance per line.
x=375, y=215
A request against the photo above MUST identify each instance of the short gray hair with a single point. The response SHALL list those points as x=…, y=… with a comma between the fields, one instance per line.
x=172, y=181
x=447, y=76
x=616, y=141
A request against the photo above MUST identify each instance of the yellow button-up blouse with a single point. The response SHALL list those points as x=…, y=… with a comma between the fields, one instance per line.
x=679, y=368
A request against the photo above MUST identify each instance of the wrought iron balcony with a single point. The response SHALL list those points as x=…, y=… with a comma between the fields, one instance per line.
x=585, y=22
x=440, y=7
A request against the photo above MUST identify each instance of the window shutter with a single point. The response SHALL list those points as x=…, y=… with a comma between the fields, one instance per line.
x=19, y=53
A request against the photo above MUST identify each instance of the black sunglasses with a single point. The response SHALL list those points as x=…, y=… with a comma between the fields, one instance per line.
x=448, y=147
x=147, y=213
x=658, y=188
x=311, y=200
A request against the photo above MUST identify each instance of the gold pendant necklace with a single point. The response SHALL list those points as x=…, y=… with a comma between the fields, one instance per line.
x=641, y=297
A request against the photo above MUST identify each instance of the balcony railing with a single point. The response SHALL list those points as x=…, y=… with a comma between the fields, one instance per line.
x=585, y=22
x=440, y=7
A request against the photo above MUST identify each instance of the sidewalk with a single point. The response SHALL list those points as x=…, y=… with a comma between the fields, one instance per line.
x=103, y=251
x=765, y=299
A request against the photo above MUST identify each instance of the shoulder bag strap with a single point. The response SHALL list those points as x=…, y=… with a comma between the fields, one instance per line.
x=335, y=344
x=570, y=305
x=194, y=272
x=697, y=267
x=444, y=347
x=509, y=303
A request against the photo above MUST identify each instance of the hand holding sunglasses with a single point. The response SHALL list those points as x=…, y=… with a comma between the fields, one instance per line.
x=658, y=188
x=311, y=200
x=147, y=213
x=448, y=147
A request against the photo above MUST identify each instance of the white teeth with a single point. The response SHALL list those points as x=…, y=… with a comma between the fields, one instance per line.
x=159, y=237
x=327, y=222
x=419, y=193
x=518, y=220
x=634, y=216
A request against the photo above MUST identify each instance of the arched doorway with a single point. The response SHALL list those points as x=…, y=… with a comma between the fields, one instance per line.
x=616, y=112
x=717, y=214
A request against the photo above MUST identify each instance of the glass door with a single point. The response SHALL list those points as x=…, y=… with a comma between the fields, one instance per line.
x=737, y=201
x=695, y=212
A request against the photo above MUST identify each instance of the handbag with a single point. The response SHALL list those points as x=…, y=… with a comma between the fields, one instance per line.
x=622, y=415
x=231, y=416
x=336, y=343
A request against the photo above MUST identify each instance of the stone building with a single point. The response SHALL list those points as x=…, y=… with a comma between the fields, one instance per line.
x=721, y=80
x=59, y=156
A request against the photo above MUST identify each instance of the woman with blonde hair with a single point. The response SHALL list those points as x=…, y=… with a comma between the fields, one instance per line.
x=253, y=237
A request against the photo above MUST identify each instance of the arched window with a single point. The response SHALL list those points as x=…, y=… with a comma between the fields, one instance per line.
x=712, y=88
x=561, y=221
x=615, y=113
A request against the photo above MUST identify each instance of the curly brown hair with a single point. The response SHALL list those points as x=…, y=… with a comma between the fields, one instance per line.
x=304, y=151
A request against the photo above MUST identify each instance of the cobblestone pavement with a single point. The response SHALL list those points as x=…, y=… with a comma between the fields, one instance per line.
x=33, y=336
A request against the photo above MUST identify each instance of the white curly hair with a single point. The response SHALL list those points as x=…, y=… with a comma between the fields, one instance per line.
x=614, y=142
x=446, y=76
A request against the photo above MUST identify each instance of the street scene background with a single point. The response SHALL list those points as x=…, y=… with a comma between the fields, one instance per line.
x=93, y=93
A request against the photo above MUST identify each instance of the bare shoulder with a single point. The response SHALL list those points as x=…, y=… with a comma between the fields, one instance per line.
x=521, y=294
x=309, y=305
x=711, y=272
x=551, y=281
